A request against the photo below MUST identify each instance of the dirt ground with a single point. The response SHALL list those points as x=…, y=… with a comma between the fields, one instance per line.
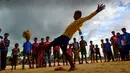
x=111, y=67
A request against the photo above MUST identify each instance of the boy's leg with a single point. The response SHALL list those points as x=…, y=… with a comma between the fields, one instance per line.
x=23, y=62
x=66, y=61
x=36, y=61
x=29, y=61
x=49, y=59
x=58, y=57
x=112, y=57
x=86, y=58
x=45, y=60
x=128, y=51
x=15, y=61
x=79, y=59
x=74, y=57
x=12, y=62
x=123, y=54
x=33, y=59
x=100, y=57
x=54, y=57
x=105, y=57
x=42, y=61
x=93, y=58
x=96, y=58
x=0, y=60
x=85, y=53
x=82, y=58
x=4, y=60
x=114, y=53
x=68, y=57
x=77, y=55
x=63, y=59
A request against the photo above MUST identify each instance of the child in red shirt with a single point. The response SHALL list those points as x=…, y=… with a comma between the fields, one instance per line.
x=35, y=52
x=56, y=52
x=41, y=53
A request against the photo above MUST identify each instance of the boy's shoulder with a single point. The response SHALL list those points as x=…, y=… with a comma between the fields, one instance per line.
x=27, y=42
x=6, y=40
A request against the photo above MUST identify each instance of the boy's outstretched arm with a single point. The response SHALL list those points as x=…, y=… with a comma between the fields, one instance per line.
x=80, y=32
x=99, y=9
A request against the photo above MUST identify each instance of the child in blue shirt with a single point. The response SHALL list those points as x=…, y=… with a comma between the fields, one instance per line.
x=121, y=46
x=126, y=39
x=108, y=50
x=27, y=47
x=26, y=52
x=7, y=44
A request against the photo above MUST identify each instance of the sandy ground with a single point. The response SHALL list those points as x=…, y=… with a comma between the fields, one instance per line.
x=111, y=67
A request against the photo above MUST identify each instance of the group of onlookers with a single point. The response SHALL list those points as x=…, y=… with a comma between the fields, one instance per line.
x=41, y=55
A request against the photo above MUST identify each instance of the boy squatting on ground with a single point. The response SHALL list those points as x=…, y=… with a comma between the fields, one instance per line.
x=69, y=32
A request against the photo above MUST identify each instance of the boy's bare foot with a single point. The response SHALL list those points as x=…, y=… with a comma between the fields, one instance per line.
x=23, y=68
x=11, y=68
x=72, y=68
x=60, y=69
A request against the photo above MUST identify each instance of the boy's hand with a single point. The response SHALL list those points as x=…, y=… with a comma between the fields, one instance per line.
x=80, y=33
x=100, y=7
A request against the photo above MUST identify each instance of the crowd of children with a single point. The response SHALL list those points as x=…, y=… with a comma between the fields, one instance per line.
x=41, y=55
x=41, y=52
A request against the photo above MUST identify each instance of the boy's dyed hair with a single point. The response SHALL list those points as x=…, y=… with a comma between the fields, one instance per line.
x=27, y=35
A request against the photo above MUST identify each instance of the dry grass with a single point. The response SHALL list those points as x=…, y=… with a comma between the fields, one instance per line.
x=112, y=67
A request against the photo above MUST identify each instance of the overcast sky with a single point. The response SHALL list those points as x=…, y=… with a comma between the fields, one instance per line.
x=51, y=17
